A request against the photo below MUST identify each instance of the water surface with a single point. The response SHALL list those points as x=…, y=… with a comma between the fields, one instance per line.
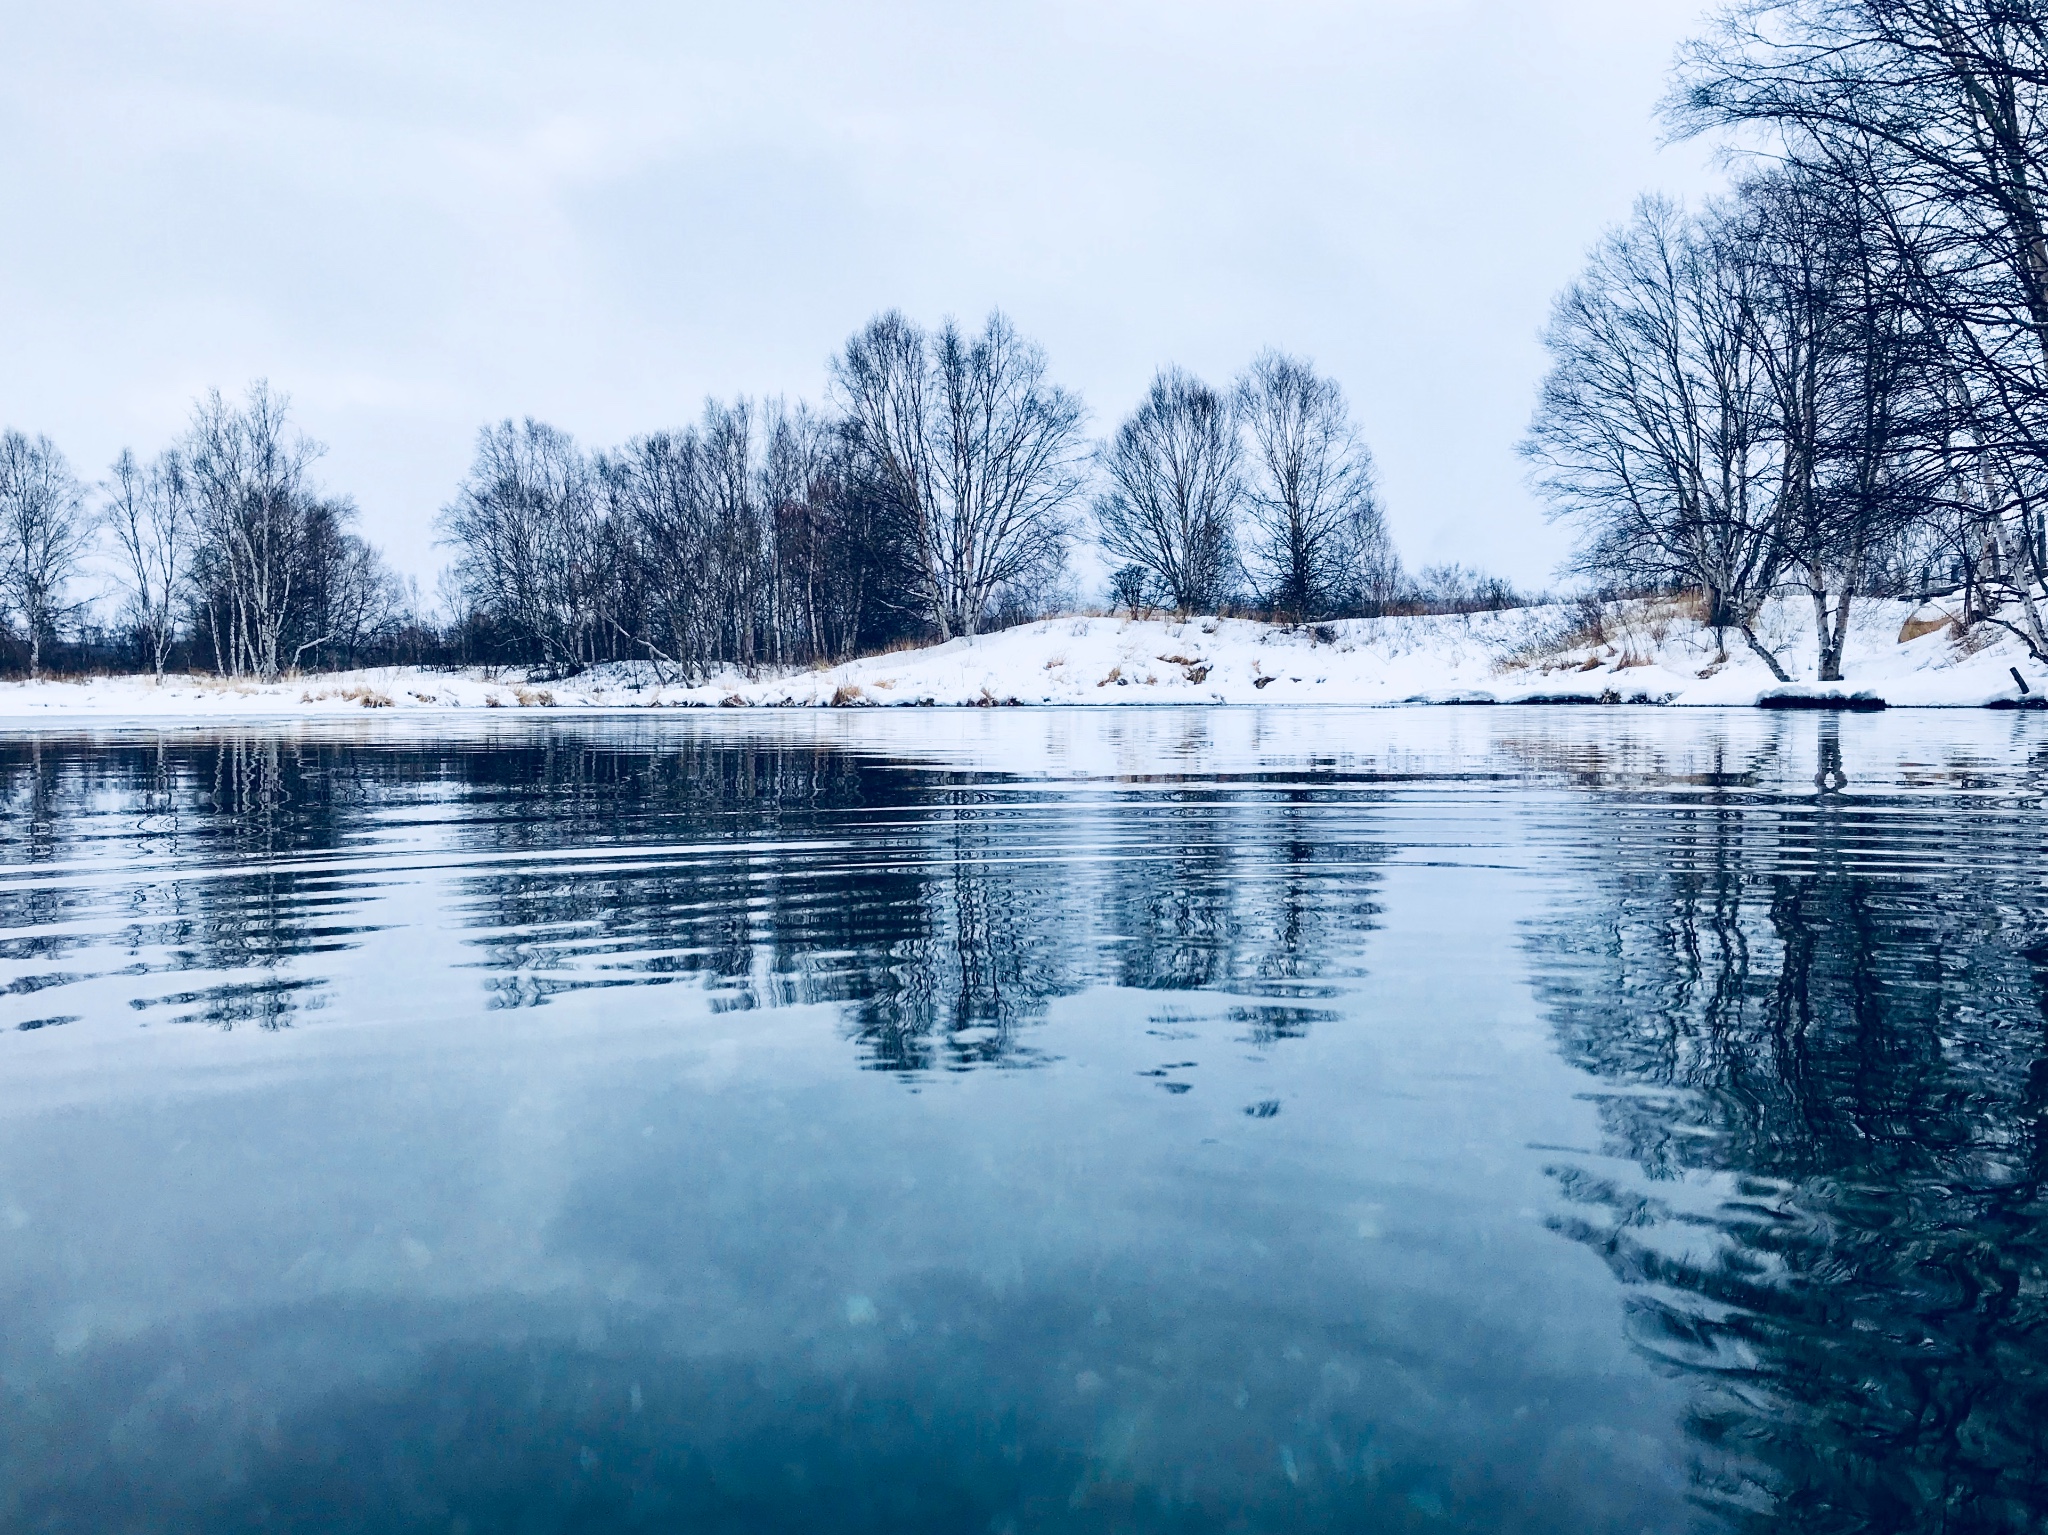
x=1140, y=1120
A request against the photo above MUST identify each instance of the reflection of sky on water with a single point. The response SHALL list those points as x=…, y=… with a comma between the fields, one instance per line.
x=527, y=1174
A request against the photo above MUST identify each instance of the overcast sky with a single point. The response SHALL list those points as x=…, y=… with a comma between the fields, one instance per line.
x=416, y=217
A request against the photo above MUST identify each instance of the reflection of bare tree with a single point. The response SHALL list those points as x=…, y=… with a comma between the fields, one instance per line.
x=231, y=822
x=1316, y=886
x=1173, y=893
x=945, y=914
x=32, y=796
x=638, y=867
x=256, y=923
x=1825, y=1043
x=1244, y=888
x=776, y=876
x=992, y=942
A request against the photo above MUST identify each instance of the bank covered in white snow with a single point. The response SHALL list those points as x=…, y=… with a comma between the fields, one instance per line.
x=1653, y=652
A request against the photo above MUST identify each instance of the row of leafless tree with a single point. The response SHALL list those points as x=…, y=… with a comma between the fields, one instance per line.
x=744, y=539
x=220, y=547
x=933, y=500
x=1835, y=380
x=1263, y=493
x=938, y=495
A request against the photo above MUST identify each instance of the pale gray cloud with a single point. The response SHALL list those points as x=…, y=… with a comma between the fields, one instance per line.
x=416, y=217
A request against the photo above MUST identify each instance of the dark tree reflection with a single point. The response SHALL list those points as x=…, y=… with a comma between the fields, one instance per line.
x=943, y=912
x=940, y=913
x=221, y=846
x=1822, y=1030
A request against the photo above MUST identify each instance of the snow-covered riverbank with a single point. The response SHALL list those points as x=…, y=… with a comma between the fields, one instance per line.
x=1646, y=653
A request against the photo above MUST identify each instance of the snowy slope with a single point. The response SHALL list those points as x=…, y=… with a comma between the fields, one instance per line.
x=1648, y=653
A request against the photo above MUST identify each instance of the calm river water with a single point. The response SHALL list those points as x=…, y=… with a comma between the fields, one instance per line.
x=1546, y=1120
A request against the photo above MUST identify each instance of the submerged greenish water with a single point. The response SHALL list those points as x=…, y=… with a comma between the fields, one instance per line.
x=1131, y=1120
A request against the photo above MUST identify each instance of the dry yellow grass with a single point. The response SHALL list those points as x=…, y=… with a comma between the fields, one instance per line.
x=356, y=693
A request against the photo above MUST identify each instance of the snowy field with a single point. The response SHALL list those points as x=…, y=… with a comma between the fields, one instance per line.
x=1651, y=652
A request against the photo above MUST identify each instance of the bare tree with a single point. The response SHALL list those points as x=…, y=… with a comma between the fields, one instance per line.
x=1936, y=113
x=1655, y=426
x=688, y=511
x=247, y=469
x=1456, y=588
x=1174, y=491
x=736, y=532
x=980, y=454
x=838, y=557
x=1850, y=370
x=149, y=511
x=1129, y=588
x=528, y=525
x=1317, y=542
x=346, y=598
x=1988, y=528
x=750, y=537
x=44, y=532
x=655, y=486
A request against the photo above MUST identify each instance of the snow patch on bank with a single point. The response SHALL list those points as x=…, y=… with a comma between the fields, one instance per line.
x=1645, y=652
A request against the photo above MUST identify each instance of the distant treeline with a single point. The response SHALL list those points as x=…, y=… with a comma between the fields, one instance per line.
x=938, y=493
x=224, y=553
x=1833, y=381
x=936, y=496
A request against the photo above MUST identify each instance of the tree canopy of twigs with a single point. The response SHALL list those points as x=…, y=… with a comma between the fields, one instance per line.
x=979, y=454
x=935, y=495
x=1316, y=543
x=1930, y=117
x=44, y=531
x=1172, y=493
